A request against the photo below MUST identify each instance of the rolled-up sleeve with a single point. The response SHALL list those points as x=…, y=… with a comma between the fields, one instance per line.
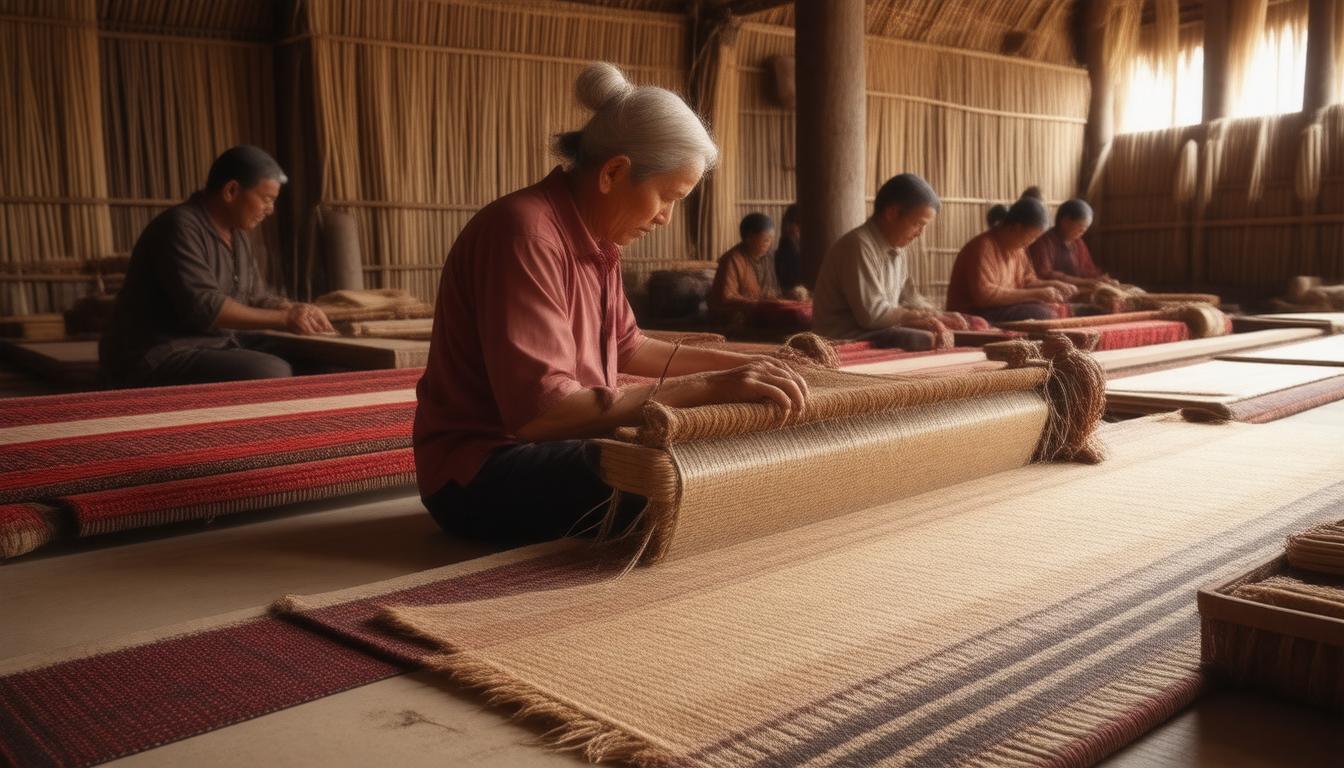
x=183, y=273
x=523, y=317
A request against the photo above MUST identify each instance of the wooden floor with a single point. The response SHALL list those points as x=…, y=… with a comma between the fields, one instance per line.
x=136, y=581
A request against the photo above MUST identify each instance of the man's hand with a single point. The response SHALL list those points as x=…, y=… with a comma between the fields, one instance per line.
x=942, y=335
x=306, y=319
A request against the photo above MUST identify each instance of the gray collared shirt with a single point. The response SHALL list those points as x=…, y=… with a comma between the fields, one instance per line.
x=864, y=285
x=181, y=272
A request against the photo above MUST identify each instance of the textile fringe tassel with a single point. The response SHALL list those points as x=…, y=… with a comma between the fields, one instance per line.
x=572, y=730
x=814, y=348
x=1075, y=390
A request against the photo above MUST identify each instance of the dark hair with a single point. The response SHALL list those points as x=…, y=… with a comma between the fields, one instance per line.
x=790, y=215
x=754, y=224
x=907, y=192
x=1034, y=192
x=1027, y=212
x=245, y=164
x=996, y=214
x=1076, y=209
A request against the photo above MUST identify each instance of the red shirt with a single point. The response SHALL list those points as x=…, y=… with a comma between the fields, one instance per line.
x=983, y=271
x=1050, y=254
x=531, y=309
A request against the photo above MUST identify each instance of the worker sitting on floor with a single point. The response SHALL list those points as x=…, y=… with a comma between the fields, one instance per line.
x=746, y=274
x=532, y=327
x=193, y=283
x=993, y=278
x=1060, y=254
x=864, y=290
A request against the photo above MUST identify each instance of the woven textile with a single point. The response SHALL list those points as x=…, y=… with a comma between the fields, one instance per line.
x=1217, y=382
x=199, y=451
x=996, y=622
x=1323, y=351
x=50, y=409
x=1140, y=333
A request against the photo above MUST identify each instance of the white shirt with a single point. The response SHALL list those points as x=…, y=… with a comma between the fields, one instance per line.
x=864, y=285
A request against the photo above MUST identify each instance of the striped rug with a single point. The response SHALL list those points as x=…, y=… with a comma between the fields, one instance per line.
x=103, y=462
x=1039, y=617
x=1044, y=616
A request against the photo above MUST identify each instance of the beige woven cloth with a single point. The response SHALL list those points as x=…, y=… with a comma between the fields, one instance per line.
x=1043, y=615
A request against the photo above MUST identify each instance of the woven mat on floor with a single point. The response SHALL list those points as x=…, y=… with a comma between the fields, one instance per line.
x=1040, y=616
x=148, y=457
x=1044, y=615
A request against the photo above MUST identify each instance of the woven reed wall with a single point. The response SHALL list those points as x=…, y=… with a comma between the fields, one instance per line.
x=53, y=184
x=979, y=127
x=121, y=108
x=1260, y=226
x=427, y=110
x=1033, y=29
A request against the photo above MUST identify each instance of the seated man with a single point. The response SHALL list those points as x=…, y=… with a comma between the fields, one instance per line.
x=1060, y=254
x=789, y=257
x=192, y=282
x=745, y=276
x=993, y=278
x=864, y=290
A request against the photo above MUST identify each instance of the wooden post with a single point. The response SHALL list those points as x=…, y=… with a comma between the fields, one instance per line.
x=1321, y=53
x=1101, y=108
x=1217, y=89
x=831, y=126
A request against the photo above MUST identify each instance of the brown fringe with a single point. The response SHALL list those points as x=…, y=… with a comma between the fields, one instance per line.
x=571, y=730
x=1075, y=389
x=813, y=347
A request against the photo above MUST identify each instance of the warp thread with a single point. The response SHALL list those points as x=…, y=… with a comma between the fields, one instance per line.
x=1075, y=391
x=809, y=348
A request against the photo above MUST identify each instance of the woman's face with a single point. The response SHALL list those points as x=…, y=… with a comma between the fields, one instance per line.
x=634, y=208
x=1073, y=229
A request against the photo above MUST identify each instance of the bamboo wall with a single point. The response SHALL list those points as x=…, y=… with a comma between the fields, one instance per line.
x=428, y=110
x=118, y=109
x=1266, y=202
x=979, y=127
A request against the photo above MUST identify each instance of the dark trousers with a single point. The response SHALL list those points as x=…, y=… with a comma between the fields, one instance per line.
x=532, y=492
x=244, y=360
x=1014, y=312
x=909, y=339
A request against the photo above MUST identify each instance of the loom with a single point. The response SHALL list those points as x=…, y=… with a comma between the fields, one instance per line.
x=723, y=473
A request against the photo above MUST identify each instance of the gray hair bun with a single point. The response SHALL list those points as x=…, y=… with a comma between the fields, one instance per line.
x=600, y=84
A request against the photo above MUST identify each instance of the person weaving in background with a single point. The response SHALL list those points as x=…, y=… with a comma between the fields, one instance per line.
x=1061, y=254
x=532, y=328
x=993, y=278
x=864, y=289
x=745, y=274
x=193, y=284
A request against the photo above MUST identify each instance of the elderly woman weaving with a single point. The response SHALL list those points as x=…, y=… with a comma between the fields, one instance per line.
x=532, y=327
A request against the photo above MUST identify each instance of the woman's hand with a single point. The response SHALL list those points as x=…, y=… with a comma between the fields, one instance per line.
x=761, y=379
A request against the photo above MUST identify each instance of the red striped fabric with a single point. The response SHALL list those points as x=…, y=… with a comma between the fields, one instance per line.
x=51, y=409
x=97, y=709
x=205, y=497
x=86, y=463
x=1140, y=334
